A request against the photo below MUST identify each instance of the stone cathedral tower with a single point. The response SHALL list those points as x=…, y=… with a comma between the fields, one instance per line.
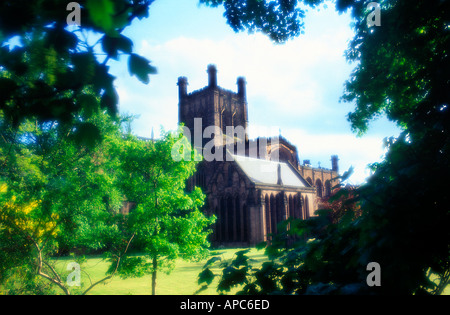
x=213, y=104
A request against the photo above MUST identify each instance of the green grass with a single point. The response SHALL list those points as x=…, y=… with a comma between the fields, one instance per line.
x=181, y=281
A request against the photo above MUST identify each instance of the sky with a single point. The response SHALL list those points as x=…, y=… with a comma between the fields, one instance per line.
x=293, y=88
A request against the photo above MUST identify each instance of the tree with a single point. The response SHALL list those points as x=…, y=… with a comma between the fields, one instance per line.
x=280, y=19
x=62, y=198
x=403, y=72
x=47, y=74
x=167, y=220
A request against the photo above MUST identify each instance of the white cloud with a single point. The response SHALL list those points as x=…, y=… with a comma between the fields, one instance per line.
x=318, y=148
x=352, y=150
x=290, y=75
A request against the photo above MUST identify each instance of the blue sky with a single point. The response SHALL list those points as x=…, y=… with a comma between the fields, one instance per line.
x=294, y=87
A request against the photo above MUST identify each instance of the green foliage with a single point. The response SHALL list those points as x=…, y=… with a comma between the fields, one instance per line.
x=167, y=220
x=403, y=72
x=400, y=69
x=72, y=188
x=140, y=67
x=45, y=77
x=280, y=19
x=64, y=195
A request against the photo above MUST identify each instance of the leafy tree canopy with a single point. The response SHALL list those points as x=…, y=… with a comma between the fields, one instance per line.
x=167, y=220
x=47, y=73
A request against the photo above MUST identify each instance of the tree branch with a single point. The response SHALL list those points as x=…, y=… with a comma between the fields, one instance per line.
x=57, y=281
x=115, y=269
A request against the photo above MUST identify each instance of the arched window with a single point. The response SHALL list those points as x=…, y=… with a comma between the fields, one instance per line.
x=280, y=208
x=222, y=220
x=306, y=207
x=291, y=210
x=230, y=176
x=220, y=181
x=309, y=180
x=327, y=188
x=319, y=188
x=297, y=207
x=238, y=211
x=235, y=179
x=200, y=178
x=267, y=202
x=230, y=219
x=215, y=235
x=273, y=214
x=245, y=223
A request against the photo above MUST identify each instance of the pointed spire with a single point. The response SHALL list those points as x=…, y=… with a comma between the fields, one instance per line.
x=153, y=136
x=280, y=181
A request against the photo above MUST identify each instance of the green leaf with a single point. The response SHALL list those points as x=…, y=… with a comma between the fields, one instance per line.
x=212, y=261
x=206, y=276
x=101, y=13
x=89, y=104
x=112, y=45
x=87, y=134
x=84, y=64
x=109, y=100
x=125, y=44
x=61, y=40
x=141, y=68
x=261, y=245
x=7, y=86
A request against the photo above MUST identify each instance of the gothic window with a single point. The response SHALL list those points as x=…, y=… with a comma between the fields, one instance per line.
x=230, y=218
x=306, y=203
x=280, y=208
x=319, y=188
x=327, y=188
x=220, y=181
x=267, y=201
x=222, y=220
x=242, y=187
x=200, y=179
x=298, y=206
x=235, y=179
x=238, y=211
x=245, y=223
x=291, y=207
x=273, y=214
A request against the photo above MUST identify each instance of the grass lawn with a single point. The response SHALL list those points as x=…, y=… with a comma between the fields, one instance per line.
x=181, y=281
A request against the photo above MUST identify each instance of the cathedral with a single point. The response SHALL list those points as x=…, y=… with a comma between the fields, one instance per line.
x=251, y=185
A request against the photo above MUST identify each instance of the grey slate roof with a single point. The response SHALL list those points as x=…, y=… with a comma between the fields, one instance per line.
x=266, y=172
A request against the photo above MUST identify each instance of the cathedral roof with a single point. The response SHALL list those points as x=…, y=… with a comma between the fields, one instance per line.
x=267, y=172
